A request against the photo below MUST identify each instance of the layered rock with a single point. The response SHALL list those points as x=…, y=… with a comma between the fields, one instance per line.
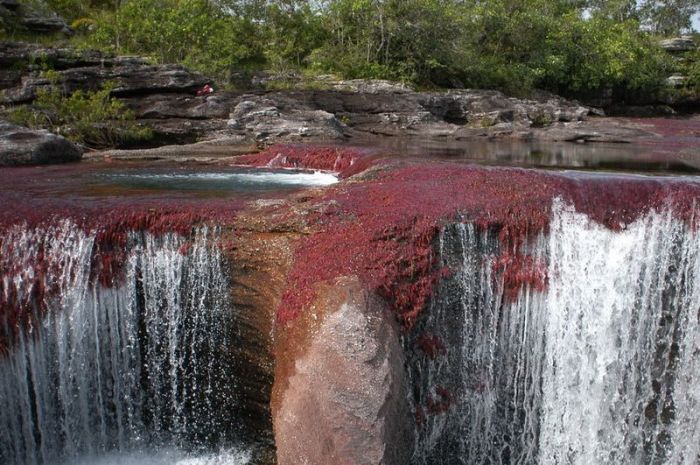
x=22, y=146
x=678, y=44
x=127, y=79
x=163, y=96
x=29, y=18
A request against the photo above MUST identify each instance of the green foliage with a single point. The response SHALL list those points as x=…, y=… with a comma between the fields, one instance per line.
x=582, y=56
x=572, y=47
x=93, y=119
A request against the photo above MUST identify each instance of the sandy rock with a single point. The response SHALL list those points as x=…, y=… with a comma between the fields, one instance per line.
x=345, y=401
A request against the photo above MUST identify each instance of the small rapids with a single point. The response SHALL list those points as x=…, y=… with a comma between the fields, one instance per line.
x=241, y=180
x=600, y=366
x=134, y=373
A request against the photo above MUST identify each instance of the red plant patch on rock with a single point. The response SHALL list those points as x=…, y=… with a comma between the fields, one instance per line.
x=345, y=161
x=384, y=230
x=431, y=345
x=520, y=271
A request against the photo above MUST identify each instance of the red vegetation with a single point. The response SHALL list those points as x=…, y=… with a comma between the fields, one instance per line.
x=431, y=345
x=111, y=219
x=441, y=403
x=343, y=160
x=384, y=230
x=518, y=271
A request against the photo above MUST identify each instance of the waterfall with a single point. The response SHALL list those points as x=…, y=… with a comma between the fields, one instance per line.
x=600, y=366
x=130, y=367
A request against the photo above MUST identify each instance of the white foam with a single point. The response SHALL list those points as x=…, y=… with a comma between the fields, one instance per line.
x=165, y=457
x=291, y=178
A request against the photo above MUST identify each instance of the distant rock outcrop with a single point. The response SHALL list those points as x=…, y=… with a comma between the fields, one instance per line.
x=27, y=18
x=679, y=44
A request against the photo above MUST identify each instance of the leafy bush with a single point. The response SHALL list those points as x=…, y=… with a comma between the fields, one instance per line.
x=93, y=119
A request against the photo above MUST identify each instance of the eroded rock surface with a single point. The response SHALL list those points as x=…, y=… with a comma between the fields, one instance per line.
x=23, y=146
x=341, y=398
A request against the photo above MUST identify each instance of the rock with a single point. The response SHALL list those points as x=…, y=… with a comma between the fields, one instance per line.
x=41, y=23
x=183, y=106
x=128, y=80
x=34, y=18
x=370, y=86
x=678, y=44
x=9, y=4
x=32, y=57
x=266, y=119
x=22, y=146
x=676, y=81
x=343, y=399
x=598, y=131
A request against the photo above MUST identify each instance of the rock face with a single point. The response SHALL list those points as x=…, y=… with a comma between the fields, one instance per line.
x=130, y=79
x=341, y=398
x=163, y=97
x=31, y=19
x=22, y=146
x=678, y=44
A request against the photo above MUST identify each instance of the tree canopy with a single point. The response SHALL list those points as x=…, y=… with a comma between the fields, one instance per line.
x=573, y=47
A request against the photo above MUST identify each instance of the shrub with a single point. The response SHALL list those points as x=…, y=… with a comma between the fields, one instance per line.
x=93, y=119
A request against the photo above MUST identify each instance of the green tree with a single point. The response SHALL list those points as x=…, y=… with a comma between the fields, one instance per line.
x=669, y=17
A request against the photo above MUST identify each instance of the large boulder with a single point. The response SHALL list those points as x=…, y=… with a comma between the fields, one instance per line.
x=340, y=393
x=22, y=146
x=266, y=119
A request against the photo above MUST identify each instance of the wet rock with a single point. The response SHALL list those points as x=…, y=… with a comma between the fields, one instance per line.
x=596, y=131
x=340, y=397
x=22, y=146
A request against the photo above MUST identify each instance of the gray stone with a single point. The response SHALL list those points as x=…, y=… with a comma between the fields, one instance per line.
x=676, y=81
x=266, y=119
x=678, y=44
x=127, y=79
x=22, y=146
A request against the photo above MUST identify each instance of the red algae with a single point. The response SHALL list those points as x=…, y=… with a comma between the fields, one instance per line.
x=520, y=271
x=346, y=161
x=431, y=345
x=384, y=230
x=110, y=220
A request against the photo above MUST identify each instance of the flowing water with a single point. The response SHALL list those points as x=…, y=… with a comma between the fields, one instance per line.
x=601, y=367
x=130, y=374
x=595, y=361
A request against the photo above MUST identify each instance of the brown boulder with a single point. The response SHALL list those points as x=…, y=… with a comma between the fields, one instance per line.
x=340, y=394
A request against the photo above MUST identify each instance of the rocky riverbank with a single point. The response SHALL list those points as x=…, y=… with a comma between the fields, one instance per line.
x=169, y=100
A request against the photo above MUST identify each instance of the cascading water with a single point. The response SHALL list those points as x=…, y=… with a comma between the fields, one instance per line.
x=135, y=369
x=599, y=366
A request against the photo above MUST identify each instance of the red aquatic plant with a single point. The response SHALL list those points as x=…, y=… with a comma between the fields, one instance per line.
x=343, y=160
x=384, y=230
